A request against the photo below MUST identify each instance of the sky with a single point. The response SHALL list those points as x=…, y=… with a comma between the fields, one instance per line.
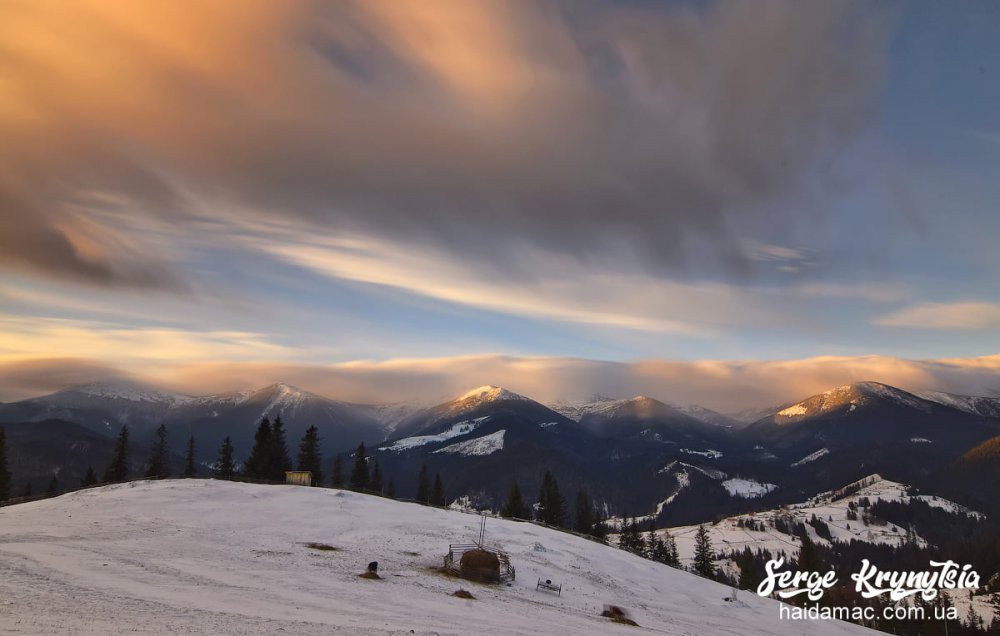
x=728, y=202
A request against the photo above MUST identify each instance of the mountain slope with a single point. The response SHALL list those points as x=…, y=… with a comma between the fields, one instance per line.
x=104, y=408
x=644, y=417
x=768, y=529
x=341, y=425
x=200, y=556
x=484, y=439
x=842, y=434
x=599, y=404
x=39, y=451
x=976, y=405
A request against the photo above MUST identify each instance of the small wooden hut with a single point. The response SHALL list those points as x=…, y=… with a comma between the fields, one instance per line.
x=299, y=477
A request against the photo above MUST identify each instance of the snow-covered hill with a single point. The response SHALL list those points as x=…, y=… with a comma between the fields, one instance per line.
x=215, y=557
x=758, y=530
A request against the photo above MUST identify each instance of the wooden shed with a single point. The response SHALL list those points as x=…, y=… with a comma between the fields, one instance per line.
x=299, y=477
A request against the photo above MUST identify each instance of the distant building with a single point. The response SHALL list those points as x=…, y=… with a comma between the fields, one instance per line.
x=299, y=477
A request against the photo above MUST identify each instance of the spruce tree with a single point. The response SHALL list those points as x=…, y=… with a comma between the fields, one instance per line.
x=157, y=466
x=423, y=485
x=189, y=458
x=584, y=521
x=437, y=492
x=629, y=539
x=53, y=488
x=309, y=455
x=375, y=483
x=4, y=470
x=224, y=465
x=514, y=507
x=26, y=491
x=89, y=479
x=337, y=479
x=600, y=528
x=654, y=549
x=118, y=469
x=258, y=464
x=749, y=578
x=808, y=559
x=551, y=506
x=280, y=462
x=672, y=556
x=359, y=473
x=390, y=489
x=704, y=555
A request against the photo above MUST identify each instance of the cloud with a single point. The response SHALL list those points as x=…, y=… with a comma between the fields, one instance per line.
x=23, y=337
x=482, y=128
x=957, y=315
x=26, y=378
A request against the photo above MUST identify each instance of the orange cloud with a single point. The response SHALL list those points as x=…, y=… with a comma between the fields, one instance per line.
x=725, y=385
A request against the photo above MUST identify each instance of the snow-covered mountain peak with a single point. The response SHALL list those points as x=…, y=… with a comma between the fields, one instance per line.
x=640, y=405
x=286, y=391
x=125, y=390
x=489, y=393
x=851, y=397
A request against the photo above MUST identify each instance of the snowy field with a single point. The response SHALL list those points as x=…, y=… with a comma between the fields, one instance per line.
x=198, y=556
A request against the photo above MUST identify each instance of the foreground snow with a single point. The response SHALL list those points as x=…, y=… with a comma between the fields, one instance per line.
x=215, y=557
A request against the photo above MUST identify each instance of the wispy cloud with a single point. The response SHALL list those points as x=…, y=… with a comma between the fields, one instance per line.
x=472, y=127
x=955, y=315
x=24, y=337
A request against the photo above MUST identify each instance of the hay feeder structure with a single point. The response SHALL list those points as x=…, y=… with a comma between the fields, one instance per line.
x=478, y=562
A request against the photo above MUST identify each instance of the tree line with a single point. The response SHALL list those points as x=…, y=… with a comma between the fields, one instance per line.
x=268, y=461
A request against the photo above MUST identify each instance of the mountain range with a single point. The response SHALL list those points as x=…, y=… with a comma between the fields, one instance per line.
x=678, y=463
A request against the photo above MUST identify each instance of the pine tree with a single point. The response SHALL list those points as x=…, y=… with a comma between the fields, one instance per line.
x=809, y=559
x=258, y=464
x=118, y=470
x=514, y=507
x=89, y=479
x=359, y=473
x=673, y=558
x=551, y=506
x=630, y=539
x=157, y=466
x=390, y=489
x=600, y=528
x=704, y=555
x=972, y=620
x=337, y=479
x=224, y=465
x=26, y=491
x=5, y=476
x=281, y=461
x=423, y=485
x=375, y=483
x=437, y=492
x=53, y=488
x=310, y=457
x=189, y=458
x=655, y=548
x=584, y=521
